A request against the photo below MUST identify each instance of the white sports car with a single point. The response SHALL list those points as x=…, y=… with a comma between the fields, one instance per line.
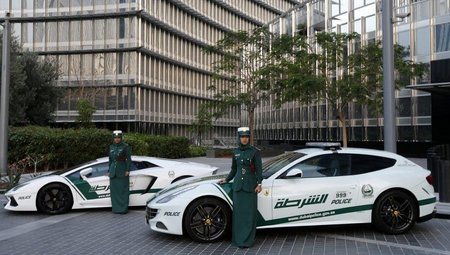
x=87, y=185
x=313, y=186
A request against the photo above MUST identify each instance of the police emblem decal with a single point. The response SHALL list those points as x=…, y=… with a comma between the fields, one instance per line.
x=367, y=190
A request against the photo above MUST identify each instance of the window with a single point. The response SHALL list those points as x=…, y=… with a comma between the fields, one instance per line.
x=424, y=106
x=361, y=164
x=325, y=165
x=443, y=37
x=274, y=165
x=138, y=165
x=423, y=41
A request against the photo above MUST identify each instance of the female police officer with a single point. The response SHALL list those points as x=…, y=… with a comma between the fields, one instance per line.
x=119, y=171
x=246, y=169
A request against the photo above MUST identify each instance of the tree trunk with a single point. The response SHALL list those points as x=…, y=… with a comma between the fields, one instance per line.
x=251, y=125
x=342, y=119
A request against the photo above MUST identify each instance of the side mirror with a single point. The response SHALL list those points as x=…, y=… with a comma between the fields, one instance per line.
x=294, y=173
x=85, y=172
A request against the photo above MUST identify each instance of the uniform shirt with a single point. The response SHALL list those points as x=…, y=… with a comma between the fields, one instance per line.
x=246, y=169
x=119, y=159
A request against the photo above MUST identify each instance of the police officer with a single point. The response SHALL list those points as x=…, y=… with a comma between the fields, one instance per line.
x=246, y=170
x=119, y=172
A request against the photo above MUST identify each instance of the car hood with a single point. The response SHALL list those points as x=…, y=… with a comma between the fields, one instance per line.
x=34, y=184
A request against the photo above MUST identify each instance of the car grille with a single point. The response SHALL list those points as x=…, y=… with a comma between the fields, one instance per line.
x=151, y=213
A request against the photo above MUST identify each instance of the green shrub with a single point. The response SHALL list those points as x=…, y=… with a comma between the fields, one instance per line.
x=197, y=151
x=67, y=147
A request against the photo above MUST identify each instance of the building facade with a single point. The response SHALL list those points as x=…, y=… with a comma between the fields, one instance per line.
x=425, y=32
x=140, y=62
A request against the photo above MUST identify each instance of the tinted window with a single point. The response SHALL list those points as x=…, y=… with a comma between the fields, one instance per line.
x=275, y=164
x=138, y=165
x=362, y=164
x=99, y=170
x=320, y=166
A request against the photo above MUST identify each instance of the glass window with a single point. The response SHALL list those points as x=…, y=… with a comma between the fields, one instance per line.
x=424, y=106
x=99, y=170
x=87, y=68
x=63, y=35
x=423, y=41
x=99, y=65
x=324, y=166
x=361, y=164
x=63, y=103
x=111, y=33
x=75, y=34
x=111, y=99
x=39, y=36
x=276, y=28
x=273, y=165
x=358, y=3
x=404, y=40
x=339, y=7
x=442, y=7
x=99, y=102
x=404, y=107
x=422, y=10
x=424, y=133
x=405, y=133
x=357, y=26
x=371, y=24
x=288, y=24
x=443, y=37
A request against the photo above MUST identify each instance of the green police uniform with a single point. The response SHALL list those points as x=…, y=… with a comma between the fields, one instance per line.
x=246, y=169
x=119, y=163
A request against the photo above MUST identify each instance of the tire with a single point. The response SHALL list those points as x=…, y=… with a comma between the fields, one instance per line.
x=54, y=198
x=394, y=212
x=207, y=220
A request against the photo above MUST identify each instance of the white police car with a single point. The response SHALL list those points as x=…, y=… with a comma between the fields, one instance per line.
x=87, y=185
x=323, y=185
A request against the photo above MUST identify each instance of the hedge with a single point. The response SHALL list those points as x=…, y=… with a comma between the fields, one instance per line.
x=68, y=147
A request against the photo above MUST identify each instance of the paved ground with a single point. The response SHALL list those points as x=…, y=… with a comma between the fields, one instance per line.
x=101, y=232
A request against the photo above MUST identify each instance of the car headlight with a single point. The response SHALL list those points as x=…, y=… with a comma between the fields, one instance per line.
x=172, y=196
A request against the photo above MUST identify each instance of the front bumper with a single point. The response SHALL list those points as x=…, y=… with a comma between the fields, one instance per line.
x=20, y=202
x=165, y=219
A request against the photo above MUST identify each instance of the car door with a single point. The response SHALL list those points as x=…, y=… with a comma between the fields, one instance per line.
x=93, y=186
x=318, y=194
x=141, y=181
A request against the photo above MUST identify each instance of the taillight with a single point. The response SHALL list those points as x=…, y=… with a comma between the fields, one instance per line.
x=430, y=179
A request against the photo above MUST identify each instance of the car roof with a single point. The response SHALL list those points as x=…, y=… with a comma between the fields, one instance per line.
x=162, y=162
x=352, y=150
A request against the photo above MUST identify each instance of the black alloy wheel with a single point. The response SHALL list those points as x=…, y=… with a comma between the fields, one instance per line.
x=54, y=198
x=207, y=220
x=394, y=212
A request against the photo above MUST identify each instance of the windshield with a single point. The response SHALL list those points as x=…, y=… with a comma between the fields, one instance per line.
x=273, y=165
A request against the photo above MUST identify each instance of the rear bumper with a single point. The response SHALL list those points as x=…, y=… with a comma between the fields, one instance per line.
x=427, y=217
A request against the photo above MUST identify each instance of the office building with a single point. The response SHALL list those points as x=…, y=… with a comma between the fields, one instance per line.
x=140, y=62
x=421, y=26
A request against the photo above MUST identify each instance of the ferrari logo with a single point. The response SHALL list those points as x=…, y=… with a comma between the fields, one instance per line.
x=266, y=192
